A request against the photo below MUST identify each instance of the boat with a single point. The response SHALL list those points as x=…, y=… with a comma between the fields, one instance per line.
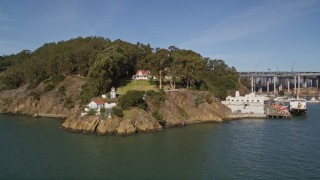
x=298, y=106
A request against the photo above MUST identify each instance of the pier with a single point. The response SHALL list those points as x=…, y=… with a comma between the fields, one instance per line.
x=277, y=111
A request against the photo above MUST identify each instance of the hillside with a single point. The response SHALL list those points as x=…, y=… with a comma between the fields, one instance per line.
x=56, y=102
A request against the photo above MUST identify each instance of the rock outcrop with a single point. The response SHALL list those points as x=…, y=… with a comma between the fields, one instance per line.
x=137, y=120
x=87, y=125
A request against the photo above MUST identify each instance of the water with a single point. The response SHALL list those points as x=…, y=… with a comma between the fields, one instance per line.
x=244, y=149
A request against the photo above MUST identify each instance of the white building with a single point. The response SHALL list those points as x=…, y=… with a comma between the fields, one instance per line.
x=250, y=103
x=98, y=104
x=113, y=93
x=109, y=105
x=95, y=105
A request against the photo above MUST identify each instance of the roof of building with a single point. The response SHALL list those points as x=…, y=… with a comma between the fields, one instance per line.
x=99, y=101
x=144, y=72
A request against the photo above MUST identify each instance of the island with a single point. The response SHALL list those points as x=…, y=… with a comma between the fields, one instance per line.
x=114, y=87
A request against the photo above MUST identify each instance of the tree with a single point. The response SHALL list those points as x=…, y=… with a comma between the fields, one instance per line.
x=188, y=66
x=159, y=63
x=133, y=99
x=220, y=78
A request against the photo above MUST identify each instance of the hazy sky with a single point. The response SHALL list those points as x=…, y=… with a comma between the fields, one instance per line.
x=247, y=34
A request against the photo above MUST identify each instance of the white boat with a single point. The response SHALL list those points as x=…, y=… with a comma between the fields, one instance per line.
x=298, y=106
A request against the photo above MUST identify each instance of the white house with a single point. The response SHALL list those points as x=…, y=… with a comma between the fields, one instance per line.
x=98, y=104
x=142, y=75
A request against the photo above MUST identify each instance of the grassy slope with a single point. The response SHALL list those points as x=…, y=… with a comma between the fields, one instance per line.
x=140, y=85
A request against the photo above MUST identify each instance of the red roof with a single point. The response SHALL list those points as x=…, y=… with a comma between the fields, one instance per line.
x=143, y=72
x=99, y=101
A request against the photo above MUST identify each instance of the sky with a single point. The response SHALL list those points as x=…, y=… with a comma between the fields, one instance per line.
x=251, y=35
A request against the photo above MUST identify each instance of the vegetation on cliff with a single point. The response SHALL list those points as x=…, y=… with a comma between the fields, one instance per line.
x=107, y=63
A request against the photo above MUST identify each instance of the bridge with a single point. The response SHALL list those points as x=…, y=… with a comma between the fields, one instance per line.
x=282, y=80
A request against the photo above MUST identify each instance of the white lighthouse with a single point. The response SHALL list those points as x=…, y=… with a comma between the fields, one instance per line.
x=113, y=93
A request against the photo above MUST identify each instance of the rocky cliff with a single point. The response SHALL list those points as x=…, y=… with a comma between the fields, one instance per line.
x=188, y=107
x=37, y=101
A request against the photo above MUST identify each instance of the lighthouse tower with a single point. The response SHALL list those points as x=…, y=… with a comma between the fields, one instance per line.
x=113, y=93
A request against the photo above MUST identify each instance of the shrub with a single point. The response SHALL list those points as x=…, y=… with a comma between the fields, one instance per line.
x=91, y=112
x=203, y=87
x=155, y=97
x=35, y=95
x=132, y=99
x=57, y=78
x=117, y=111
x=102, y=110
x=68, y=103
x=197, y=101
x=48, y=88
x=208, y=99
x=158, y=116
x=46, y=81
x=62, y=89
x=31, y=86
x=183, y=113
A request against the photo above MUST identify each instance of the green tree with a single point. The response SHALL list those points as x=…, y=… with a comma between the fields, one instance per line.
x=189, y=66
x=133, y=99
x=159, y=63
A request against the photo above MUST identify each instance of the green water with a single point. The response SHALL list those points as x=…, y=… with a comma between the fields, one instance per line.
x=35, y=148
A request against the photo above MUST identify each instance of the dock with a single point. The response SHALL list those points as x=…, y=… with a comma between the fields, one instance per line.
x=277, y=112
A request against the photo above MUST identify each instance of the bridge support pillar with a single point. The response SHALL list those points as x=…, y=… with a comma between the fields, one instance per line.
x=268, y=86
x=295, y=85
x=288, y=85
x=299, y=78
x=275, y=85
x=252, y=84
x=305, y=82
